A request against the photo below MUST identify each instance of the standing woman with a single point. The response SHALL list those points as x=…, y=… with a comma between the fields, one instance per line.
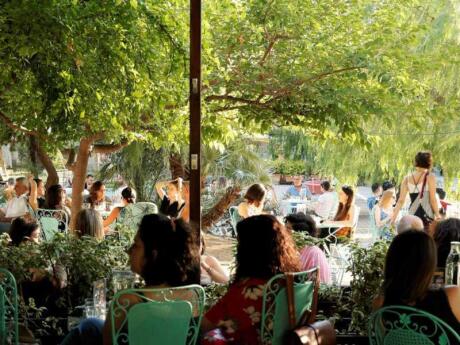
x=416, y=182
x=382, y=213
x=175, y=200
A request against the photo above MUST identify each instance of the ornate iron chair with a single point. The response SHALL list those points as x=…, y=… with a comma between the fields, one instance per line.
x=401, y=325
x=52, y=222
x=133, y=213
x=9, y=333
x=275, y=316
x=170, y=316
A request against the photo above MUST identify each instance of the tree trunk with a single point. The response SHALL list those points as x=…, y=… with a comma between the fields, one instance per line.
x=79, y=175
x=222, y=206
x=45, y=159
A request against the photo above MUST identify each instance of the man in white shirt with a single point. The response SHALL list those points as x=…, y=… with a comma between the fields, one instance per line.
x=327, y=202
x=18, y=205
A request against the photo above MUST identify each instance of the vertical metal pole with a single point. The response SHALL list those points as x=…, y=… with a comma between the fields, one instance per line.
x=195, y=111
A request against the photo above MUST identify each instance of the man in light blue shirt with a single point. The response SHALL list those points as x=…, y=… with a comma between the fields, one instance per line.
x=297, y=190
x=376, y=193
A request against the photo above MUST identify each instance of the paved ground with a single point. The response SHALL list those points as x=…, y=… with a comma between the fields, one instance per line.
x=221, y=247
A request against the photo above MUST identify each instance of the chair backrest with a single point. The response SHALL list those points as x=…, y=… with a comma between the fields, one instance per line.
x=275, y=316
x=52, y=222
x=373, y=225
x=234, y=217
x=356, y=216
x=401, y=325
x=167, y=316
x=134, y=213
x=8, y=309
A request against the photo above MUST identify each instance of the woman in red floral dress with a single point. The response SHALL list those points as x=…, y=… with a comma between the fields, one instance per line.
x=265, y=248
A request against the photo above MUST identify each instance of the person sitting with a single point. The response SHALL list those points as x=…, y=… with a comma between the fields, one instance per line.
x=327, y=201
x=175, y=201
x=253, y=203
x=446, y=231
x=89, y=182
x=127, y=197
x=211, y=269
x=264, y=249
x=18, y=206
x=345, y=215
x=386, y=185
x=310, y=256
x=165, y=254
x=97, y=198
x=297, y=190
x=409, y=283
x=382, y=213
x=40, y=192
x=22, y=231
x=89, y=223
x=376, y=193
x=56, y=199
x=408, y=222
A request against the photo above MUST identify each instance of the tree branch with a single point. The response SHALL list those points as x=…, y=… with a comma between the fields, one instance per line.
x=109, y=148
x=7, y=121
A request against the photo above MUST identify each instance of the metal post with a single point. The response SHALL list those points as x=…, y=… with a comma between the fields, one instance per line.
x=195, y=111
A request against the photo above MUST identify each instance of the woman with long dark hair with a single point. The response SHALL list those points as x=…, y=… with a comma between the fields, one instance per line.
x=265, y=248
x=417, y=183
x=408, y=275
x=165, y=253
x=97, y=198
x=345, y=213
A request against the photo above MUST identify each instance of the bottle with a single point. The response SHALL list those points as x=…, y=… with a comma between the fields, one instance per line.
x=453, y=264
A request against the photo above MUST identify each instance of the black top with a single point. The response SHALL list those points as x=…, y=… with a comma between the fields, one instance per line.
x=436, y=303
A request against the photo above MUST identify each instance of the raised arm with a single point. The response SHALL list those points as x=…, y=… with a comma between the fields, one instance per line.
x=402, y=199
x=159, y=188
x=33, y=193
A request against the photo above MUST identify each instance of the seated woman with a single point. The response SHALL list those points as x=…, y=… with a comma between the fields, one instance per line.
x=89, y=223
x=310, y=256
x=265, y=248
x=345, y=213
x=175, y=201
x=164, y=254
x=382, y=213
x=211, y=269
x=445, y=232
x=409, y=283
x=127, y=197
x=97, y=198
x=56, y=199
x=253, y=203
x=22, y=231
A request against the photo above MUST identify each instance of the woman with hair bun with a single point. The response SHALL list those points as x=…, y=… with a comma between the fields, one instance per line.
x=421, y=180
x=127, y=197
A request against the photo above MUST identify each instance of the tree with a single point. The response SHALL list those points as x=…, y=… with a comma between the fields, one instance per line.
x=91, y=75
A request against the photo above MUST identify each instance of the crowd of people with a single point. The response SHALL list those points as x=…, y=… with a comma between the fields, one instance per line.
x=168, y=252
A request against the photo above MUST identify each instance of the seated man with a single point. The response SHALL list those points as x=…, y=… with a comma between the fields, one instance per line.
x=297, y=190
x=327, y=202
x=18, y=205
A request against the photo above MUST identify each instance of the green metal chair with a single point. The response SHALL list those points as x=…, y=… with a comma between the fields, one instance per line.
x=275, y=316
x=9, y=333
x=52, y=222
x=133, y=213
x=401, y=325
x=171, y=316
x=234, y=218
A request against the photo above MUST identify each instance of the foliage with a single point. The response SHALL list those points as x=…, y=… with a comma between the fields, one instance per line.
x=366, y=267
x=140, y=165
x=302, y=239
x=84, y=261
x=214, y=292
x=290, y=167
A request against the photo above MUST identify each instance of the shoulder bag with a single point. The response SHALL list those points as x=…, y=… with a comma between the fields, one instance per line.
x=307, y=331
